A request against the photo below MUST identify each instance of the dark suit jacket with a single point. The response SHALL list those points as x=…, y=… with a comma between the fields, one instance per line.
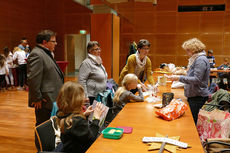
x=44, y=77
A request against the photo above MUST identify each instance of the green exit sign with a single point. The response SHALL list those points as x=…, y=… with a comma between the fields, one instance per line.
x=82, y=31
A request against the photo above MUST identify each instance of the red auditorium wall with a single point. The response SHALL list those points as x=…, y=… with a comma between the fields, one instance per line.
x=23, y=18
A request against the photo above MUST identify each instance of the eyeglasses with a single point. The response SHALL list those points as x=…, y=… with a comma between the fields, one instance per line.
x=146, y=48
x=53, y=41
x=96, y=49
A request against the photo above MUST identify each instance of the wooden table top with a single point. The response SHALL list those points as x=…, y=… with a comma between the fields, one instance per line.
x=214, y=70
x=141, y=116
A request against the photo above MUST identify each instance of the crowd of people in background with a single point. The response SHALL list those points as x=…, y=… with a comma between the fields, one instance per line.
x=13, y=67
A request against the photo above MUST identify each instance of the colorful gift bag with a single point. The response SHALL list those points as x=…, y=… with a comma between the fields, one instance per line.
x=214, y=124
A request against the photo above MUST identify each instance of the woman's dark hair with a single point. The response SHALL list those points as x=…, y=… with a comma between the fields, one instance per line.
x=6, y=51
x=91, y=44
x=142, y=43
x=44, y=35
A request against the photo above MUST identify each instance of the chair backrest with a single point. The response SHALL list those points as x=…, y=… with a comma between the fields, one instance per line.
x=45, y=135
x=217, y=145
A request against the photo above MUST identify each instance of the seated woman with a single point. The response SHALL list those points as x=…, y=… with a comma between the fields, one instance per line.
x=76, y=134
x=92, y=74
x=123, y=95
x=139, y=64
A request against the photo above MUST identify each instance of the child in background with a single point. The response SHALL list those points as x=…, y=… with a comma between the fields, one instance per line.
x=9, y=60
x=20, y=57
x=211, y=59
x=76, y=134
x=3, y=71
x=123, y=95
x=224, y=65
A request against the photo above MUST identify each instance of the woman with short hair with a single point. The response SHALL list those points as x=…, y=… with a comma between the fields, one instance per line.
x=92, y=74
x=139, y=64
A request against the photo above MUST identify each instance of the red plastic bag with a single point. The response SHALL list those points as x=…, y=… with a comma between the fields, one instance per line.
x=175, y=109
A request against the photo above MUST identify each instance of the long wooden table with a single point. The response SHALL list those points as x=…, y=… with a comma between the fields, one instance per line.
x=215, y=70
x=141, y=116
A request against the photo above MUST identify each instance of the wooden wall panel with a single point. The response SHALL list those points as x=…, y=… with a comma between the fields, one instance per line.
x=188, y=23
x=189, y=2
x=128, y=22
x=167, y=5
x=166, y=44
x=172, y=28
x=219, y=60
x=227, y=2
x=125, y=7
x=153, y=60
x=122, y=61
x=71, y=54
x=146, y=7
x=214, y=42
x=181, y=60
x=213, y=1
x=227, y=22
x=102, y=32
x=226, y=43
x=17, y=22
x=212, y=22
x=145, y=18
x=116, y=46
x=166, y=22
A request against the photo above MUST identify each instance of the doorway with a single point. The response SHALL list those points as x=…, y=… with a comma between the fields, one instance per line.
x=75, y=51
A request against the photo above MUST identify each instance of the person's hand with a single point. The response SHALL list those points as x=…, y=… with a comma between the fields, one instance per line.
x=98, y=110
x=139, y=86
x=155, y=89
x=88, y=111
x=144, y=88
x=173, y=77
x=38, y=105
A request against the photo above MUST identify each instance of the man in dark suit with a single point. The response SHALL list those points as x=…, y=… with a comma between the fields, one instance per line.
x=45, y=78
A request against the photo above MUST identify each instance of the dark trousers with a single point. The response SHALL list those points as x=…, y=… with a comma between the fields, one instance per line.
x=22, y=74
x=42, y=115
x=195, y=104
x=2, y=81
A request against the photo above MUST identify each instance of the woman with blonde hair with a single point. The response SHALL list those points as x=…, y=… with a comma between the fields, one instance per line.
x=76, y=134
x=196, y=81
x=123, y=95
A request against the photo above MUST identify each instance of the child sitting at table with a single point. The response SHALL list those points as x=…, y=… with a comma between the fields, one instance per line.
x=76, y=134
x=123, y=95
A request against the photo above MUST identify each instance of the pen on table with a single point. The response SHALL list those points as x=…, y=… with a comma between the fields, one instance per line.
x=162, y=146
